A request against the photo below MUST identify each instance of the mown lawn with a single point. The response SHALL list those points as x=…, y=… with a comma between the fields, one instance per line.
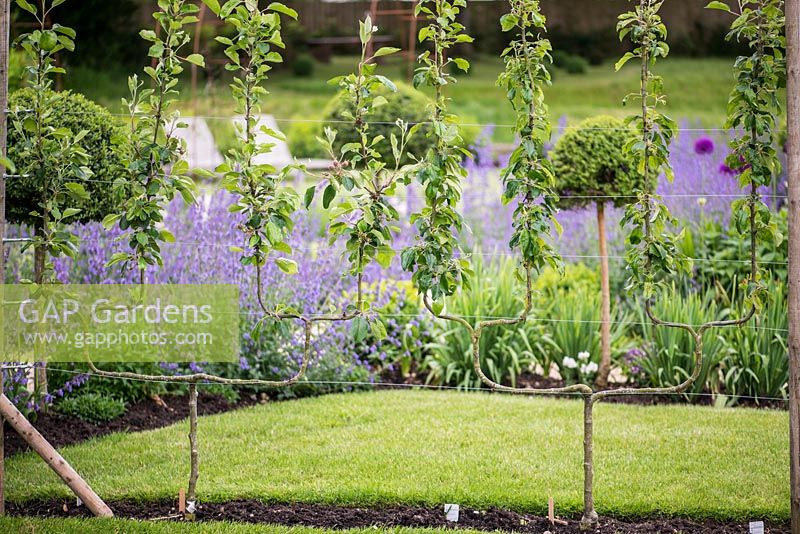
x=107, y=526
x=697, y=90
x=479, y=450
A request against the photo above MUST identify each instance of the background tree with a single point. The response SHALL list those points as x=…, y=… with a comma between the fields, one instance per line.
x=592, y=168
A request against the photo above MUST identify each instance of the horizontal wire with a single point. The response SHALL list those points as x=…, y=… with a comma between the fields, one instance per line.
x=484, y=254
x=377, y=123
x=406, y=386
x=539, y=319
x=562, y=197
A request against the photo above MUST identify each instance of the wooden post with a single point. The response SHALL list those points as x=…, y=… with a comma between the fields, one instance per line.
x=793, y=146
x=605, y=299
x=56, y=462
x=5, y=24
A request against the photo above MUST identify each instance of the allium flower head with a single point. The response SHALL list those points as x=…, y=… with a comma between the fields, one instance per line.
x=703, y=146
x=583, y=356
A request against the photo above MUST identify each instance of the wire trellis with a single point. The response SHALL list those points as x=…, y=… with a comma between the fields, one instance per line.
x=388, y=385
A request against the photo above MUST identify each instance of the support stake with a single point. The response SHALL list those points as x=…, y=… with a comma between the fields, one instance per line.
x=52, y=458
x=5, y=24
x=793, y=148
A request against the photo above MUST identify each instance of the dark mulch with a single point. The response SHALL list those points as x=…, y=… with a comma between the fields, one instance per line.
x=61, y=430
x=339, y=517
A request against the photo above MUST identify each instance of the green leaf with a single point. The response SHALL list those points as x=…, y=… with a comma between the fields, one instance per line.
x=286, y=265
x=328, y=196
x=378, y=330
x=196, y=59
x=624, y=59
x=508, y=21
x=309, y=196
x=27, y=6
x=280, y=8
x=386, y=51
x=110, y=220
x=77, y=191
x=69, y=212
x=8, y=164
x=166, y=236
x=359, y=329
x=213, y=5
x=722, y=6
x=461, y=63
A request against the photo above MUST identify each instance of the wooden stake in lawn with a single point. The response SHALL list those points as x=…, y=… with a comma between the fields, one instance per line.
x=56, y=462
x=793, y=145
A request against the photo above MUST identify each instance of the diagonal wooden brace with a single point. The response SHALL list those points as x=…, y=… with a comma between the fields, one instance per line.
x=56, y=462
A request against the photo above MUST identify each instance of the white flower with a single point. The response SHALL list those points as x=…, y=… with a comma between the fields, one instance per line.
x=583, y=356
x=589, y=368
x=569, y=363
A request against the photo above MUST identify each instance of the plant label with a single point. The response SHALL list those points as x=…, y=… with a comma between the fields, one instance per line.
x=756, y=527
x=451, y=510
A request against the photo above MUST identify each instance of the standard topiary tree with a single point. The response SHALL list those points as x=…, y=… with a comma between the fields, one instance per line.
x=592, y=169
x=78, y=114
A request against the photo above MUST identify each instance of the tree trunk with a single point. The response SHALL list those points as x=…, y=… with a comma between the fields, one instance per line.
x=605, y=300
x=39, y=259
x=589, y=520
x=793, y=145
x=56, y=462
x=194, y=470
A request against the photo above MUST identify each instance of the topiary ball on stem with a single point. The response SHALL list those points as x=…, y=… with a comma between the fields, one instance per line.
x=591, y=168
x=77, y=113
x=589, y=161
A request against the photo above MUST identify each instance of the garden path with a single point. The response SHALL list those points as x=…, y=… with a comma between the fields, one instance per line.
x=201, y=148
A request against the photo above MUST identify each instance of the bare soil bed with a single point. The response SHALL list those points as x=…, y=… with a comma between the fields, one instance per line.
x=339, y=517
